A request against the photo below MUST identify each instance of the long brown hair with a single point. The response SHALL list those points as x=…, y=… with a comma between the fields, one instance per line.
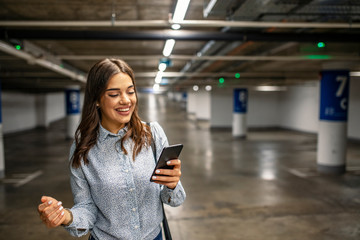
x=86, y=134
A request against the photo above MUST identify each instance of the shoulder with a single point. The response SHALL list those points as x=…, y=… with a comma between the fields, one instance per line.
x=158, y=132
x=156, y=128
x=72, y=149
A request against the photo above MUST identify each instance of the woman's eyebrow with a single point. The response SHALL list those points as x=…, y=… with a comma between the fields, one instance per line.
x=118, y=89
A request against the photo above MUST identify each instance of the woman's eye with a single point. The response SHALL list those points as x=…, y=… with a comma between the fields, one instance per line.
x=131, y=92
x=113, y=95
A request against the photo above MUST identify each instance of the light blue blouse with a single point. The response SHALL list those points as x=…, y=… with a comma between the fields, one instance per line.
x=113, y=195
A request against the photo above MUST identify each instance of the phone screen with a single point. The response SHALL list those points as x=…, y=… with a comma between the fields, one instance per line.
x=168, y=153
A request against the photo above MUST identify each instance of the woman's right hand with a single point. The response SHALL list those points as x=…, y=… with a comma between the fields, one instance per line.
x=51, y=211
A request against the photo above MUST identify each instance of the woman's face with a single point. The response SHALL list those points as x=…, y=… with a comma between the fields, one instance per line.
x=118, y=103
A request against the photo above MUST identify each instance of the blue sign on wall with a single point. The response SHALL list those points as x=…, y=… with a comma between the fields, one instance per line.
x=184, y=96
x=72, y=101
x=240, y=100
x=334, y=95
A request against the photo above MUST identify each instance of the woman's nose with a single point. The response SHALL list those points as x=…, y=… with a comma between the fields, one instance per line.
x=124, y=99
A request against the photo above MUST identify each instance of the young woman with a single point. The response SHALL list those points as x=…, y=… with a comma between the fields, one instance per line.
x=111, y=162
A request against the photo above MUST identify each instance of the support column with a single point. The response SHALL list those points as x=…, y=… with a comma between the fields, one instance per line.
x=41, y=114
x=2, y=157
x=184, y=100
x=72, y=98
x=239, y=128
x=332, y=135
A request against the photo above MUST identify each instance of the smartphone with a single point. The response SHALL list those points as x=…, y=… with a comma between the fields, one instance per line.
x=168, y=153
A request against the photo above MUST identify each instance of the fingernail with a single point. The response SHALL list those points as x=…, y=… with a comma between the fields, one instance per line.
x=61, y=208
x=154, y=177
x=59, y=203
x=50, y=202
x=62, y=213
x=157, y=171
x=168, y=162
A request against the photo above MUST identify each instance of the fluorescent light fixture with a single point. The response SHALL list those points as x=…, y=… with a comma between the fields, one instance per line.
x=355, y=74
x=176, y=26
x=209, y=7
x=156, y=87
x=162, y=67
x=180, y=10
x=169, y=45
x=159, y=76
x=270, y=88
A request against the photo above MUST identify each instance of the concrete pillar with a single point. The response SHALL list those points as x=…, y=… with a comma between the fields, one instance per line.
x=191, y=103
x=239, y=127
x=221, y=108
x=183, y=100
x=332, y=134
x=72, y=98
x=202, y=105
x=170, y=95
x=2, y=157
x=40, y=107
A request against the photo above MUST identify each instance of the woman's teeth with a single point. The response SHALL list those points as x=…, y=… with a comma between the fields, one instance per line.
x=123, y=110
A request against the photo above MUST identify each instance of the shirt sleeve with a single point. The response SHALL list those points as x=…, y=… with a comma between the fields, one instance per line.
x=84, y=210
x=173, y=197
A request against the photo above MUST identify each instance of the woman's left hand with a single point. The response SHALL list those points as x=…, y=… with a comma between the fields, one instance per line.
x=169, y=177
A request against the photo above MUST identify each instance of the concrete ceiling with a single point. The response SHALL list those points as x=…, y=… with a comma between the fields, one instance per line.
x=269, y=42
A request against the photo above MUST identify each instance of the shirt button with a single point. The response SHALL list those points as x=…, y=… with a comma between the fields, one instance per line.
x=134, y=209
x=131, y=189
x=136, y=227
x=126, y=170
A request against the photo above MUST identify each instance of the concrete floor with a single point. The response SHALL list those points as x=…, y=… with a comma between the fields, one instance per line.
x=261, y=187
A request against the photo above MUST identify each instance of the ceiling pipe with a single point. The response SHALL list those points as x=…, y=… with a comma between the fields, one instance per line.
x=177, y=35
x=215, y=58
x=184, y=23
x=244, y=75
x=7, y=48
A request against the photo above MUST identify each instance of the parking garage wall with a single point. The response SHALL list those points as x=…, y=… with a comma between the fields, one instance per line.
x=18, y=111
x=21, y=111
x=262, y=109
x=354, y=109
x=299, y=108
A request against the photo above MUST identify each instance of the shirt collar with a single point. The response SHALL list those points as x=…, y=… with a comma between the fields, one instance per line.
x=103, y=133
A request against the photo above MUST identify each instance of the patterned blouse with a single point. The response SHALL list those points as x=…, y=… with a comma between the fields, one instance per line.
x=113, y=195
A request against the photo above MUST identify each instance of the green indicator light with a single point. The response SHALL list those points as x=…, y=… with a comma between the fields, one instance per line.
x=18, y=47
x=237, y=75
x=221, y=80
x=317, y=57
x=321, y=44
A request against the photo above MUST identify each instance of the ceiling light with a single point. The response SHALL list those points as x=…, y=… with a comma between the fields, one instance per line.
x=176, y=26
x=162, y=67
x=156, y=87
x=355, y=74
x=209, y=7
x=158, y=77
x=180, y=10
x=169, y=45
x=270, y=88
x=208, y=88
x=196, y=88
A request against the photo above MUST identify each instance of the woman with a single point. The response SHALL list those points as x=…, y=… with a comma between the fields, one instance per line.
x=111, y=162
